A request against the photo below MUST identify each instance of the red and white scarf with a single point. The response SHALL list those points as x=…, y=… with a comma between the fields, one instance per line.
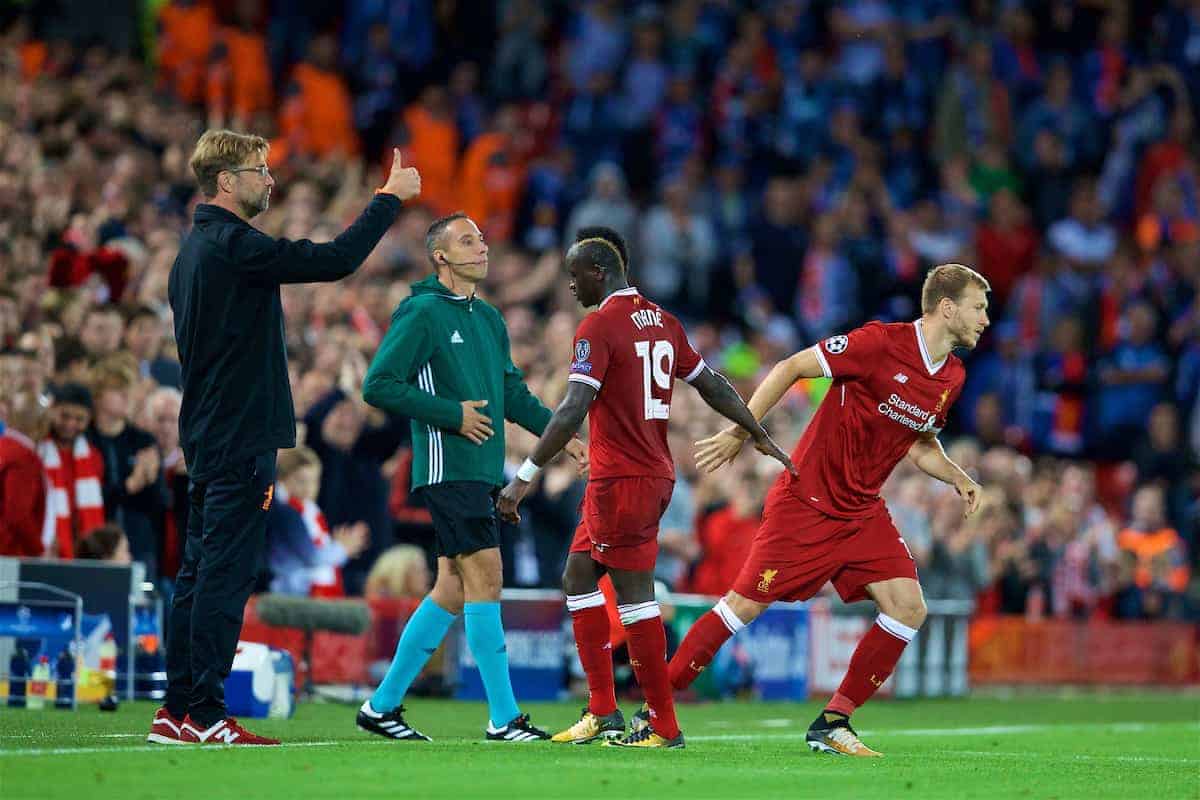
x=83, y=464
x=326, y=581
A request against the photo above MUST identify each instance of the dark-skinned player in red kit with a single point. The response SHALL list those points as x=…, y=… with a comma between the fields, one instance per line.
x=627, y=356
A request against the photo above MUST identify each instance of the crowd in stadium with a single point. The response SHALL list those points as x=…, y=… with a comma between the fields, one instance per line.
x=782, y=172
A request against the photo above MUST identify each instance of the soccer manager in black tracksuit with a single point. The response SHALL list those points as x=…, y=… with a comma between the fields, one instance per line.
x=237, y=408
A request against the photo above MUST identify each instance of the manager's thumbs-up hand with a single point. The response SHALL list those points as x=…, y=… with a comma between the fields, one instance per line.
x=404, y=182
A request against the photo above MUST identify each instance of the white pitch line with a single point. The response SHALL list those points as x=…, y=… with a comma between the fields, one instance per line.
x=35, y=736
x=1120, y=727
x=1079, y=757
x=994, y=730
x=991, y=730
x=163, y=748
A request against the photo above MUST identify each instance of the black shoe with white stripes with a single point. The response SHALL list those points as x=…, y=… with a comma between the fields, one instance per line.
x=519, y=730
x=390, y=725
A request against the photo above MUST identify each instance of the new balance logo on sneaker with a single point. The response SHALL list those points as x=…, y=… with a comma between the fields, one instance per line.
x=227, y=731
x=165, y=728
x=390, y=725
x=519, y=730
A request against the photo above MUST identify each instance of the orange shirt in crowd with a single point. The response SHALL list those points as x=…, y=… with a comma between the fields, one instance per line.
x=433, y=149
x=184, y=41
x=491, y=184
x=33, y=54
x=1148, y=546
x=318, y=119
x=1153, y=231
x=241, y=81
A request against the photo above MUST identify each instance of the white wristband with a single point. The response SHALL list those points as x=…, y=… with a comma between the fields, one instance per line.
x=528, y=470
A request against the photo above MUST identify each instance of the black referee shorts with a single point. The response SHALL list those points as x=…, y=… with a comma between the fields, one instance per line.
x=464, y=516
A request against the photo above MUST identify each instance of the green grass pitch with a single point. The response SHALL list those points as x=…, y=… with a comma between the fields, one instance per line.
x=1124, y=746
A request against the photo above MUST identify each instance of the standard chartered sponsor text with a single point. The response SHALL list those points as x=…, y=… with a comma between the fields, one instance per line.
x=900, y=410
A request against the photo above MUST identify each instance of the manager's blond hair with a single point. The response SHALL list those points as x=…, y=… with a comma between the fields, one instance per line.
x=220, y=150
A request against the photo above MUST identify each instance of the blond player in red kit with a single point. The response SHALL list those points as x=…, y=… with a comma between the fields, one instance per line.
x=893, y=385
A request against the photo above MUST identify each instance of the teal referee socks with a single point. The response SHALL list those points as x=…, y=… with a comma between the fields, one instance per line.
x=424, y=632
x=485, y=637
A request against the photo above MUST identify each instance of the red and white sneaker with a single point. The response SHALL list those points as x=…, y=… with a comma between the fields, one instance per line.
x=227, y=731
x=165, y=728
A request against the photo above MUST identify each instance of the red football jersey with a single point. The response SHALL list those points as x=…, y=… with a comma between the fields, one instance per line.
x=886, y=392
x=631, y=350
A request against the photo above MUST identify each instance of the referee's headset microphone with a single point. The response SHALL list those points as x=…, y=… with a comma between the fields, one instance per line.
x=453, y=287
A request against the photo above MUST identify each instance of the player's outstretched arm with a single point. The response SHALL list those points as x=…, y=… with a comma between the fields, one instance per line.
x=803, y=364
x=724, y=399
x=723, y=447
x=562, y=426
x=929, y=457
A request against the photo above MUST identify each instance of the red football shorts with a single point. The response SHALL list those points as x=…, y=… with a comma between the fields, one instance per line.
x=618, y=522
x=797, y=549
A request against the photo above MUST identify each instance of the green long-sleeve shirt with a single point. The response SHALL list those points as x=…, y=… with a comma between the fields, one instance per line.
x=440, y=350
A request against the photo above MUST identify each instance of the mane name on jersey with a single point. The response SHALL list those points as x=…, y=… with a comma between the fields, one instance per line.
x=645, y=317
x=900, y=410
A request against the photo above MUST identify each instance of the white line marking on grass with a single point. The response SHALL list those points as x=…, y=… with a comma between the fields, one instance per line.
x=777, y=723
x=991, y=730
x=1077, y=757
x=1119, y=727
x=47, y=735
x=161, y=748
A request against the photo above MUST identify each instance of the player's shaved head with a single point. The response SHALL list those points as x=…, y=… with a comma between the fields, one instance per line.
x=597, y=262
x=598, y=252
x=605, y=234
x=949, y=281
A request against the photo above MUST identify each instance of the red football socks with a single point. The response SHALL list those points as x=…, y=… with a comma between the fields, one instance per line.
x=648, y=657
x=873, y=661
x=589, y=618
x=701, y=644
x=696, y=652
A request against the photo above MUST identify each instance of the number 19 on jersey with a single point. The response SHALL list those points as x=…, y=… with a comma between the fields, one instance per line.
x=658, y=368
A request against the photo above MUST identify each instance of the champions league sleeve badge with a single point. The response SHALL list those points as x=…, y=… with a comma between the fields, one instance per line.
x=834, y=344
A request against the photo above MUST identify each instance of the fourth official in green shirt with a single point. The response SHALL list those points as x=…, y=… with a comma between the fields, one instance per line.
x=445, y=364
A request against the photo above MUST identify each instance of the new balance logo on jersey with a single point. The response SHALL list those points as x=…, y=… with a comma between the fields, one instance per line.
x=456, y=338
x=900, y=377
